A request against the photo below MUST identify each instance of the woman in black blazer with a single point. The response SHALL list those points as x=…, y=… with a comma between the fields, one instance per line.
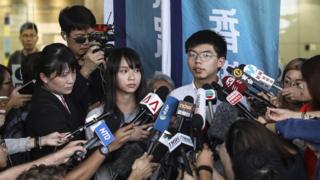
x=51, y=108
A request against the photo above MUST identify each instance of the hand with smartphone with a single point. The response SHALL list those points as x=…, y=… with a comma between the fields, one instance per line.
x=16, y=99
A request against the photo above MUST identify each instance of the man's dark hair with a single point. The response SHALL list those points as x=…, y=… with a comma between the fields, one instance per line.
x=28, y=25
x=43, y=172
x=76, y=17
x=208, y=37
x=258, y=164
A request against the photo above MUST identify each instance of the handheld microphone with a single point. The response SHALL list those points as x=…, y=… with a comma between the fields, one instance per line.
x=231, y=84
x=105, y=137
x=260, y=77
x=150, y=105
x=239, y=74
x=162, y=121
x=88, y=124
x=200, y=105
x=210, y=98
x=234, y=100
x=184, y=112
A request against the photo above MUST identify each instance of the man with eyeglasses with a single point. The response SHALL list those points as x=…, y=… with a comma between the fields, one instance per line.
x=77, y=23
x=206, y=53
x=28, y=38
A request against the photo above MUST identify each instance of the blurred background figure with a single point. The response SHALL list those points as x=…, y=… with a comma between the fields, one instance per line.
x=28, y=38
x=159, y=79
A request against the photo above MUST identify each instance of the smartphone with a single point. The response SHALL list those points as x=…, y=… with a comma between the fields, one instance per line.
x=3, y=102
x=27, y=88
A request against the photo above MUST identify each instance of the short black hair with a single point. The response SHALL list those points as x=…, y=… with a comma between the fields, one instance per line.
x=55, y=57
x=208, y=37
x=76, y=17
x=28, y=25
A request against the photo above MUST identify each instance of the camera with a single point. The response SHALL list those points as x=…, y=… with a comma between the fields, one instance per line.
x=104, y=37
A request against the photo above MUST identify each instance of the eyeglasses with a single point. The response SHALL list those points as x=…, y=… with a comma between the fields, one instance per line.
x=204, y=56
x=290, y=83
x=82, y=39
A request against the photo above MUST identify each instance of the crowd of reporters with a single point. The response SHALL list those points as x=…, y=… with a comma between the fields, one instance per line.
x=204, y=130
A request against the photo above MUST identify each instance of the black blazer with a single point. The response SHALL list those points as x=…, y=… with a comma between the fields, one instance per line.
x=48, y=115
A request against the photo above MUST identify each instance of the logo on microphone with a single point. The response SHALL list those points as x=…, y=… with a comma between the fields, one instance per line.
x=237, y=72
x=234, y=97
x=104, y=134
x=210, y=94
x=229, y=81
x=152, y=102
x=164, y=112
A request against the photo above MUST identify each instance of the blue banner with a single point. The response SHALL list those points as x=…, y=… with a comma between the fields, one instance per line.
x=143, y=32
x=250, y=27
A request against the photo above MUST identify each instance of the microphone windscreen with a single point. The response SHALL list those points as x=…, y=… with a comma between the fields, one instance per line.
x=206, y=86
x=163, y=92
x=188, y=99
x=225, y=115
x=220, y=93
x=197, y=121
x=230, y=69
x=241, y=66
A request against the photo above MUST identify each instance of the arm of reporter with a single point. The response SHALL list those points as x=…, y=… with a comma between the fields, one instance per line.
x=57, y=158
x=298, y=128
x=87, y=168
x=16, y=145
x=142, y=168
x=226, y=161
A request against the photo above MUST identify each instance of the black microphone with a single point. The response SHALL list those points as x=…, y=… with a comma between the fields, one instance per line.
x=150, y=105
x=225, y=116
x=198, y=132
x=184, y=113
x=86, y=125
x=183, y=124
x=222, y=93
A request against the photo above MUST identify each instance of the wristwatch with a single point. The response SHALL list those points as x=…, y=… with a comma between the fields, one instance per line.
x=104, y=150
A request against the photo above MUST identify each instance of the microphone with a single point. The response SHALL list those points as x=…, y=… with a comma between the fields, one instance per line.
x=225, y=116
x=183, y=123
x=200, y=106
x=210, y=95
x=260, y=77
x=88, y=124
x=232, y=99
x=231, y=84
x=198, y=132
x=162, y=121
x=238, y=73
x=184, y=112
x=105, y=137
x=148, y=106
